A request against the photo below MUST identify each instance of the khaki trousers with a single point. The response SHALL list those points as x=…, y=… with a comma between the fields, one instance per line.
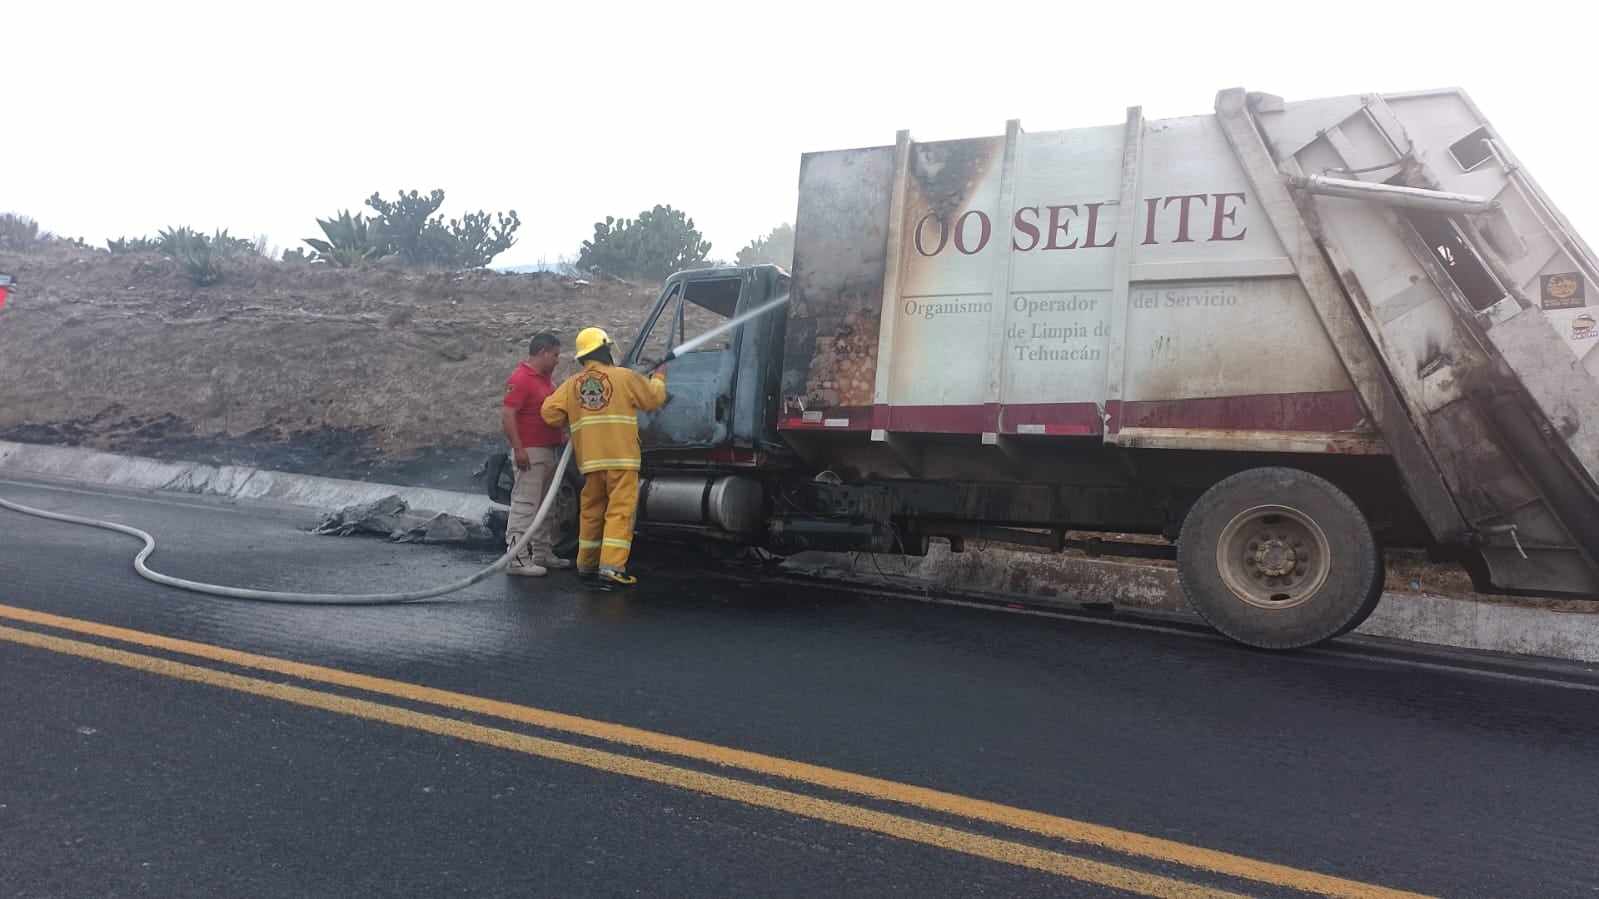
x=531, y=485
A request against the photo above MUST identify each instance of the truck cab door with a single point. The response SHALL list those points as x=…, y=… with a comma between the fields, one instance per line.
x=699, y=409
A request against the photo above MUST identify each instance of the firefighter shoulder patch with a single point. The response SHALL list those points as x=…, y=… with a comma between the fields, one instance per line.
x=594, y=390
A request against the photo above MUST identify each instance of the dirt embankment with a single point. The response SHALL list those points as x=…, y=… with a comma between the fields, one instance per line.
x=379, y=373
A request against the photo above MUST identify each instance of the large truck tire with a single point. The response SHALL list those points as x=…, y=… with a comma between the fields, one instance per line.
x=499, y=477
x=1373, y=597
x=1279, y=558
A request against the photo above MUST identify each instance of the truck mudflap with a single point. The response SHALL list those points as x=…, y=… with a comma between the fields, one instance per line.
x=1417, y=226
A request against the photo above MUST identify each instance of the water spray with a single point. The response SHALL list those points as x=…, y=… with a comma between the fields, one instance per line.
x=694, y=343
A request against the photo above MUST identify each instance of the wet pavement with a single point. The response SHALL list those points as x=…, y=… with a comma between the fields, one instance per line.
x=131, y=765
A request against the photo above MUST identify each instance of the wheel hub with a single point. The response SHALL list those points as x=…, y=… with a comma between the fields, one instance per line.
x=1275, y=557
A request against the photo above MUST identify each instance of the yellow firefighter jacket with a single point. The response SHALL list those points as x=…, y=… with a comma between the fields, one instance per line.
x=600, y=405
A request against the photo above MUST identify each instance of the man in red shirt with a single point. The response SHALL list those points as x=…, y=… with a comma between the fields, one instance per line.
x=536, y=449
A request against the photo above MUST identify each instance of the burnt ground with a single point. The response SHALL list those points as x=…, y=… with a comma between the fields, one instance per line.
x=351, y=453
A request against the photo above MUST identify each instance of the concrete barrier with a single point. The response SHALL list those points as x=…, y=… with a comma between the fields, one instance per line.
x=26, y=460
x=1553, y=630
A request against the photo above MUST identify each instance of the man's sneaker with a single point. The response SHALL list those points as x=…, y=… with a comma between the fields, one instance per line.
x=616, y=578
x=525, y=568
x=554, y=563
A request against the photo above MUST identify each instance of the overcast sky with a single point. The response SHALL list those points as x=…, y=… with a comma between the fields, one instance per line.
x=123, y=118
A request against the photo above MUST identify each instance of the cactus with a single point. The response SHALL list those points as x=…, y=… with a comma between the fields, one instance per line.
x=659, y=242
x=411, y=228
x=776, y=248
x=18, y=232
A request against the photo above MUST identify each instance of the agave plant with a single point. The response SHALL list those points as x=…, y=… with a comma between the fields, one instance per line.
x=193, y=251
x=351, y=240
x=226, y=245
x=122, y=245
x=172, y=241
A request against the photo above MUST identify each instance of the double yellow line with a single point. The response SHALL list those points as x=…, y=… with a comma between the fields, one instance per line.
x=1007, y=851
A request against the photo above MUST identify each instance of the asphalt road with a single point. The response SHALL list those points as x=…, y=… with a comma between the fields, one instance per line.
x=712, y=735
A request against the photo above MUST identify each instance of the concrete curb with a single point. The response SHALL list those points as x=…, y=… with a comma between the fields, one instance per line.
x=228, y=481
x=1080, y=581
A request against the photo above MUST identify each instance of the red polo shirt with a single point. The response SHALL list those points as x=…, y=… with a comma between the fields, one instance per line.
x=525, y=391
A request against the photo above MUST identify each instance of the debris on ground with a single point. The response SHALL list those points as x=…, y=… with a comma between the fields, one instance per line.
x=447, y=528
x=384, y=517
x=392, y=517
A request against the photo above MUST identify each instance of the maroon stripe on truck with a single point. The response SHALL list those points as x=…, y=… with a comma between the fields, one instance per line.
x=1065, y=419
x=1331, y=411
x=843, y=418
x=940, y=419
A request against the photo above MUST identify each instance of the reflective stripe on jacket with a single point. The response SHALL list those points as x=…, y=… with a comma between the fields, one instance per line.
x=600, y=406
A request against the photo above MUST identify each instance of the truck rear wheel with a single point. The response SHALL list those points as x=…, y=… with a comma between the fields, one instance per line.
x=1373, y=597
x=1279, y=558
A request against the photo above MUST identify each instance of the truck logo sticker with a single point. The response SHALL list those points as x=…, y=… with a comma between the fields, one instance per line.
x=1563, y=291
x=1584, y=327
x=594, y=390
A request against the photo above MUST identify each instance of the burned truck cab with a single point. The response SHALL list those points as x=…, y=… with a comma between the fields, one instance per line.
x=718, y=428
x=723, y=393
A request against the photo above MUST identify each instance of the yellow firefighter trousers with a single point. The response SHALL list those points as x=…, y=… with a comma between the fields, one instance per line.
x=605, y=526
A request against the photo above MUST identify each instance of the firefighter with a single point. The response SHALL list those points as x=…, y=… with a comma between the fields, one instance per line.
x=599, y=406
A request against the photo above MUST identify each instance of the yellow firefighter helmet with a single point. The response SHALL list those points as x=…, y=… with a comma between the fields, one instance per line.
x=591, y=339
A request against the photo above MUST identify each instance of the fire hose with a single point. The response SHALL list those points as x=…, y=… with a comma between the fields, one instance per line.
x=344, y=599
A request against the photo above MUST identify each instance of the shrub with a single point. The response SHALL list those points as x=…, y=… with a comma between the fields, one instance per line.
x=18, y=232
x=776, y=248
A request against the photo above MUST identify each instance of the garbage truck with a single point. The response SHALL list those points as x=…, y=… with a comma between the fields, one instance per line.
x=1283, y=337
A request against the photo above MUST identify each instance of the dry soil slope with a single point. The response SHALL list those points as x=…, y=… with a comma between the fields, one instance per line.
x=294, y=365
